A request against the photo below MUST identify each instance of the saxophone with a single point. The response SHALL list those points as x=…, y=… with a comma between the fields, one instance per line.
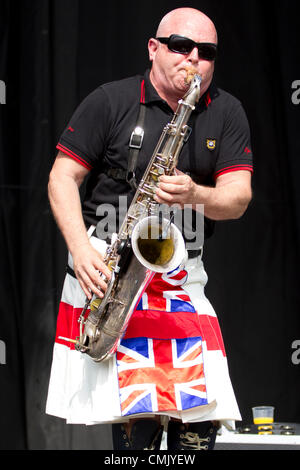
x=145, y=244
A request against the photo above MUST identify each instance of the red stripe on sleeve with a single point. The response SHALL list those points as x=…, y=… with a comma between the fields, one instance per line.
x=73, y=155
x=229, y=169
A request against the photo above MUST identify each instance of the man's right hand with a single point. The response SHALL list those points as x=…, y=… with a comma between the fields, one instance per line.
x=88, y=266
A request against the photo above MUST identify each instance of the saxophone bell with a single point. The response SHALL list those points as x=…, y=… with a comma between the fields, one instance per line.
x=157, y=253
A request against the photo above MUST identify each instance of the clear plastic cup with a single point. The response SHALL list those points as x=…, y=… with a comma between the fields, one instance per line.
x=263, y=414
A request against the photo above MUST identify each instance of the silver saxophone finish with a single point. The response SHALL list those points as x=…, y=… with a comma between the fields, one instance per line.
x=103, y=322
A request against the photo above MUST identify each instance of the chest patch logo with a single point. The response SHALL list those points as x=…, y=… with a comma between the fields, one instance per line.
x=211, y=144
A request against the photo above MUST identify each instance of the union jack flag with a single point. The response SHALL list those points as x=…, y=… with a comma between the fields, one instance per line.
x=160, y=360
x=160, y=375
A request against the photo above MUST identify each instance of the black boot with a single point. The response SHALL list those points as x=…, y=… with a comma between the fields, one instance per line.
x=191, y=436
x=145, y=434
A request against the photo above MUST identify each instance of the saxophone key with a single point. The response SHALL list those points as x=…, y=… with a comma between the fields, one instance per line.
x=162, y=158
x=160, y=166
x=148, y=193
x=160, y=170
x=149, y=187
x=142, y=204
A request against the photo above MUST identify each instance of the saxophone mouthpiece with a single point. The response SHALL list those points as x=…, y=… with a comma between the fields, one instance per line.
x=190, y=73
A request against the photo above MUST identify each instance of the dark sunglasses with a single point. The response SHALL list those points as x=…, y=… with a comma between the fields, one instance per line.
x=182, y=45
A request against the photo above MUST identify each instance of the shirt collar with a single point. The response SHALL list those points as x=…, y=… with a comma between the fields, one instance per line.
x=150, y=95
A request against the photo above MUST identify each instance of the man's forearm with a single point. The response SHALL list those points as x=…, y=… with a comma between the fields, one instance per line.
x=224, y=202
x=66, y=207
x=227, y=200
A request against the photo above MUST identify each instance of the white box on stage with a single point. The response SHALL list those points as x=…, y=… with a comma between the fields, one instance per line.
x=278, y=436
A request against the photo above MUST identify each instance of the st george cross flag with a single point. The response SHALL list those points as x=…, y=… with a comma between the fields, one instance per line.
x=171, y=360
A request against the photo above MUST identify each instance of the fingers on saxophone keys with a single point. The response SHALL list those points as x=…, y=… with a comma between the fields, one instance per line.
x=86, y=289
x=91, y=290
x=93, y=284
x=106, y=272
x=163, y=197
x=99, y=285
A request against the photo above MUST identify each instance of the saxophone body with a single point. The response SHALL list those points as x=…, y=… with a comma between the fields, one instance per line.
x=145, y=244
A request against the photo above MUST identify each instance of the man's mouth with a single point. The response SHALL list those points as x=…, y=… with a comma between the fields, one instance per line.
x=190, y=72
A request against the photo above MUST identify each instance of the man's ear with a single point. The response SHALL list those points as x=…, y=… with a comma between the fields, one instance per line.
x=152, y=48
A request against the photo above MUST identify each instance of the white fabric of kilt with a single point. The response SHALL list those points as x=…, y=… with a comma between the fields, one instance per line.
x=82, y=391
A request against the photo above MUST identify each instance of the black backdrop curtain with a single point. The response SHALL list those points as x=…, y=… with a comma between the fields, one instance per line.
x=52, y=54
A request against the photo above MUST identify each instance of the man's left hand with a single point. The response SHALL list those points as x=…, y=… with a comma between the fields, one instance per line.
x=178, y=189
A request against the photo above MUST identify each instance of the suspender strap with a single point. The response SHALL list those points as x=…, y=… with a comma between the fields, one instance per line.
x=135, y=145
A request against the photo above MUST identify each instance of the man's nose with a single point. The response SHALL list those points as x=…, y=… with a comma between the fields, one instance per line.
x=193, y=55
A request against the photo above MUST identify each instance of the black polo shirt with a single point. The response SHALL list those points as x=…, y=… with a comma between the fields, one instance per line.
x=99, y=131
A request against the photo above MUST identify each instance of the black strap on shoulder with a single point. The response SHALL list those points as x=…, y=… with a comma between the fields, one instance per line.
x=135, y=145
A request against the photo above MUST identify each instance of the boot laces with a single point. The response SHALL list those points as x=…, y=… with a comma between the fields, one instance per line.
x=192, y=440
x=152, y=445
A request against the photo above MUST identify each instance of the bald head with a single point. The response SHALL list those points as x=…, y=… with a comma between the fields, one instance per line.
x=187, y=19
x=169, y=68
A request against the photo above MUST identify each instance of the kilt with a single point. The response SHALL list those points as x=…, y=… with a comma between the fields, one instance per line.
x=171, y=360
